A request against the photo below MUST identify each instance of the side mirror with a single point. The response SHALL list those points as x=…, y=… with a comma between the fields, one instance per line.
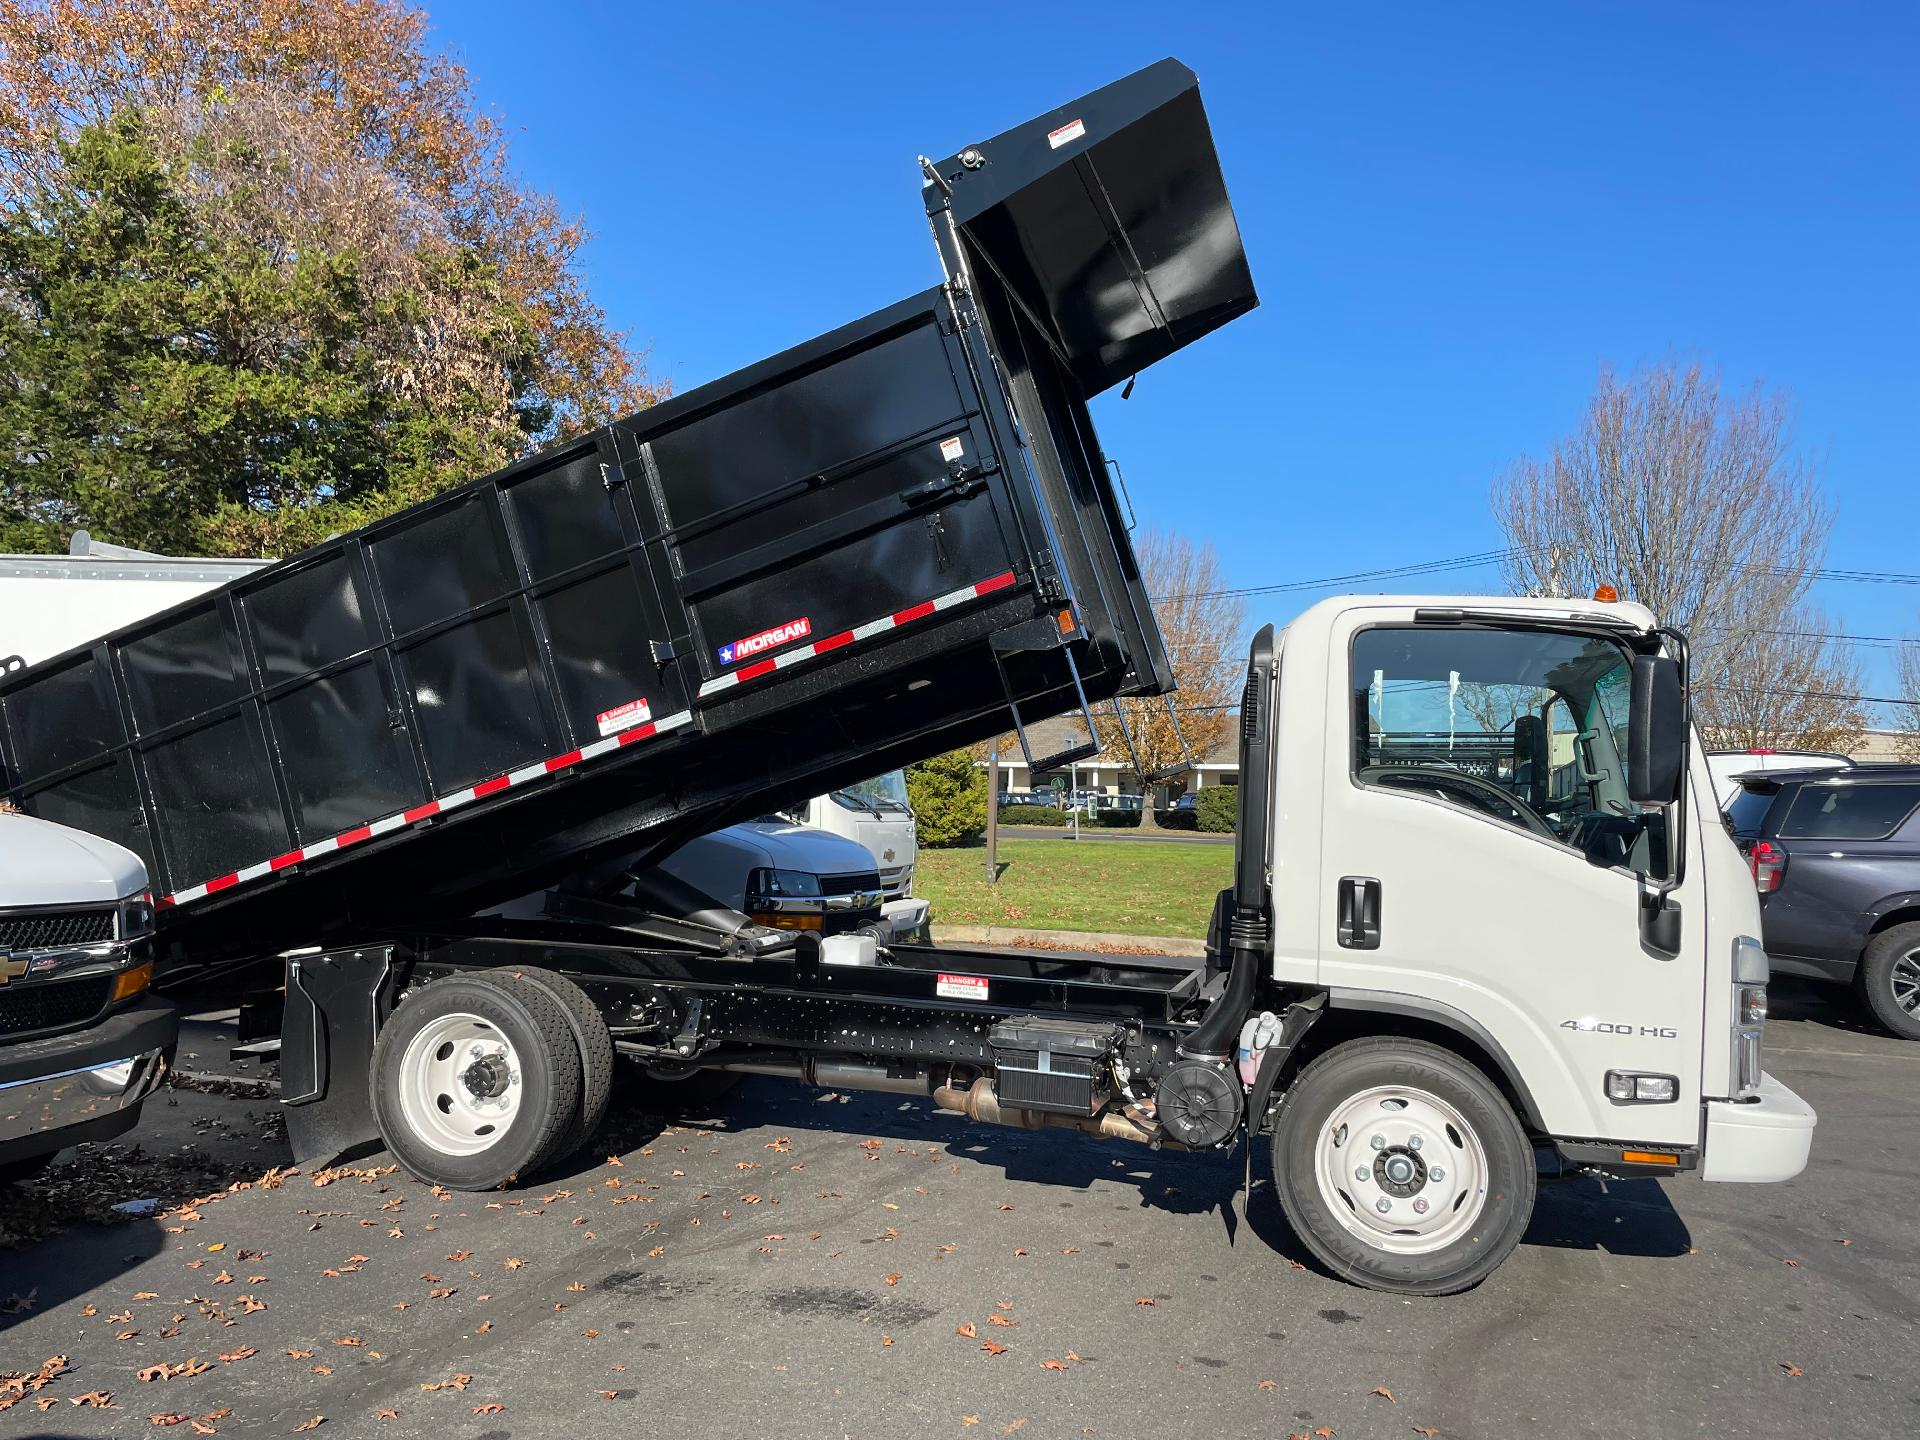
x=1656, y=731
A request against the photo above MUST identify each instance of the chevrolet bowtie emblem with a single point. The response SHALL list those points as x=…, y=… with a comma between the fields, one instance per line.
x=11, y=969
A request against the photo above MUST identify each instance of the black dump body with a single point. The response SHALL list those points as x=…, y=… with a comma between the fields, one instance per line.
x=842, y=559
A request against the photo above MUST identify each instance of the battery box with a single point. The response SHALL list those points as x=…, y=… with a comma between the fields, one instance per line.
x=1058, y=1065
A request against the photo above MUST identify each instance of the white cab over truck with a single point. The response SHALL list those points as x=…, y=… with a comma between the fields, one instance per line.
x=1484, y=922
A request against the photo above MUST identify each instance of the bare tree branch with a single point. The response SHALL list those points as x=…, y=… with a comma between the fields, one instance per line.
x=1697, y=504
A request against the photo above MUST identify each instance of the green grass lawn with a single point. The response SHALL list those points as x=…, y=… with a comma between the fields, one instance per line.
x=1131, y=887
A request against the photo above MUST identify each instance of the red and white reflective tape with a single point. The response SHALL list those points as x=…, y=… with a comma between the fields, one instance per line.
x=859, y=632
x=511, y=779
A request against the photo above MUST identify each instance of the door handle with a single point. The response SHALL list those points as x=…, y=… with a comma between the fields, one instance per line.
x=1359, y=911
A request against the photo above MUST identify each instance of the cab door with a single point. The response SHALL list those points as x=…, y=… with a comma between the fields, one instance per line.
x=1457, y=887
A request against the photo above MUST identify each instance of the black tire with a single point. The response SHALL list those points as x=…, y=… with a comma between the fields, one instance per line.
x=1348, y=1071
x=1891, y=963
x=595, y=1046
x=12, y=1172
x=535, y=1025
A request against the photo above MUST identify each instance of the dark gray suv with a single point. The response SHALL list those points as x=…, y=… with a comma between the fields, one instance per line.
x=1836, y=858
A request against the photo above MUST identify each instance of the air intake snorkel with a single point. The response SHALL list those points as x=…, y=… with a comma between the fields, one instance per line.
x=1248, y=941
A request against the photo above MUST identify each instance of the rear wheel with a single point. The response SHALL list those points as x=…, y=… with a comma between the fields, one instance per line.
x=1889, y=979
x=476, y=1080
x=595, y=1047
x=1402, y=1167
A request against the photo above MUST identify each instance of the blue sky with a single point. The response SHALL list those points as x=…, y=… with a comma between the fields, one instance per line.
x=1455, y=215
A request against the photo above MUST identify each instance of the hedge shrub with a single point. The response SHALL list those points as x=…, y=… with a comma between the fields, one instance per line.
x=949, y=798
x=1118, y=819
x=1175, y=819
x=1216, y=809
x=1032, y=815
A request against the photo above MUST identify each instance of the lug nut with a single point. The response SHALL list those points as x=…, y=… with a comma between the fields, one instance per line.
x=1436, y=1173
x=1362, y=1173
x=1413, y=1142
x=1383, y=1204
x=1379, y=1142
x=1419, y=1207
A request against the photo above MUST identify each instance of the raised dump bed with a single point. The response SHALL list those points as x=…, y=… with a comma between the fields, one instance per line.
x=851, y=555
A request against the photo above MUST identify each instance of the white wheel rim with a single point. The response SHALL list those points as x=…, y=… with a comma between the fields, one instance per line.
x=1400, y=1137
x=460, y=1084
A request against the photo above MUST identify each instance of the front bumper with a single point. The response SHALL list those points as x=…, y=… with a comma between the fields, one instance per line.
x=85, y=1085
x=1757, y=1141
x=908, y=919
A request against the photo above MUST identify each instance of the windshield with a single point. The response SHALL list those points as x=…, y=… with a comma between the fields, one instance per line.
x=882, y=792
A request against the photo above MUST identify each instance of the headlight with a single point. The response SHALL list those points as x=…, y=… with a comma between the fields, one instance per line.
x=136, y=916
x=779, y=884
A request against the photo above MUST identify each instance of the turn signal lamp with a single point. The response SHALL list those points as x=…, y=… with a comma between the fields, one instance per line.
x=129, y=983
x=1605, y=593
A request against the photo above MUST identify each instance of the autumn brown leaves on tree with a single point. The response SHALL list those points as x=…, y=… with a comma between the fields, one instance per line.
x=1697, y=503
x=299, y=138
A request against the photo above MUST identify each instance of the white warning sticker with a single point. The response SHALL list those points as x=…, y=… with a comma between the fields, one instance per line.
x=623, y=717
x=961, y=987
x=951, y=448
x=1070, y=131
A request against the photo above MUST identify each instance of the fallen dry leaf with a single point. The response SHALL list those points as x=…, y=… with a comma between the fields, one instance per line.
x=514, y=1262
x=1384, y=1394
x=894, y=1278
x=1791, y=1369
x=314, y=1424
x=386, y=1414
x=1146, y=1300
x=993, y=1347
x=967, y=1329
x=492, y=1407
x=1427, y=1430
x=1053, y=1365
x=1268, y=1385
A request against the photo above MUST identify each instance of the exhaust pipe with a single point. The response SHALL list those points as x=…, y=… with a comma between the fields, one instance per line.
x=826, y=1072
x=980, y=1101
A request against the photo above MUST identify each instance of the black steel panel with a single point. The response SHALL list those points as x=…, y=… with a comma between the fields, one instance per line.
x=182, y=669
x=565, y=515
x=207, y=785
x=476, y=697
x=1109, y=219
x=600, y=656
x=307, y=618
x=441, y=560
x=61, y=724
x=344, y=762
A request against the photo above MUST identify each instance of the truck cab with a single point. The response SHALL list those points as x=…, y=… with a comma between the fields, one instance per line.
x=1478, y=841
x=81, y=1043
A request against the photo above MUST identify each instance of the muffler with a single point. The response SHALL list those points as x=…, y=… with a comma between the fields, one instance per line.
x=980, y=1101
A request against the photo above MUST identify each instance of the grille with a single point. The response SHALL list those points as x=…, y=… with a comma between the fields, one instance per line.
x=52, y=1004
x=49, y=929
x=848, y=884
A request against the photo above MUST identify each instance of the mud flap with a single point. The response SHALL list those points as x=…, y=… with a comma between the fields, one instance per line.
x=336, y=1002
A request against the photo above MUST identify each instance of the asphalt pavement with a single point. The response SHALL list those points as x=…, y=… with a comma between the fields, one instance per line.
x=798, y=1264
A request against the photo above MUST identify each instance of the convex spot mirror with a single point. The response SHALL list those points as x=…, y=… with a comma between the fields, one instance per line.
x=1656, y=731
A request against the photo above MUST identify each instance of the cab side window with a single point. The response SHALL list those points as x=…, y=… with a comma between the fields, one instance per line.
x=1514, y=725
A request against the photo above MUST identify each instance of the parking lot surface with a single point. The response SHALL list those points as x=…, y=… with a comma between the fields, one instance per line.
x=797, y=1264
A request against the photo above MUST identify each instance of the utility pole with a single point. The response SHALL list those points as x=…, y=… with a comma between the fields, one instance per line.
x=993, y=814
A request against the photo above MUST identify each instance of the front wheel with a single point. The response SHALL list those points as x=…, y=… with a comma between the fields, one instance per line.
x=1889, y=979
x=1402, y=1167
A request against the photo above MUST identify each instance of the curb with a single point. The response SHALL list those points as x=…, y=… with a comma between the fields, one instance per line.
x=1180, y=945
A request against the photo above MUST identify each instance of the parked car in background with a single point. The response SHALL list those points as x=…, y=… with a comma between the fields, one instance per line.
x=1726, y=766
x=1835, y=855
x=82, y=1044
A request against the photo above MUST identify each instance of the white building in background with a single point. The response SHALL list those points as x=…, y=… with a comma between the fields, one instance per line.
x=1107, y=776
